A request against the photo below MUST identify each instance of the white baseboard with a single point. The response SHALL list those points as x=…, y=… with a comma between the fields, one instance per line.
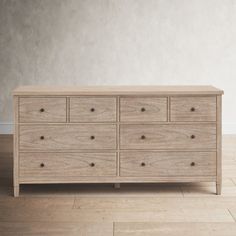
x=228, y=128
x=6, y=128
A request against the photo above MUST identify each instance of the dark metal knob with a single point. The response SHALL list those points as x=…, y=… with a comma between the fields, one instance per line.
x=42, y=165
x=192, y=109
x=192, y=164
x=92, y=137
x=41, y=137
x=143, y=137
x=42, y=110
x=143, y=164
x=92, y=164
x=192, y=136
x=143, y=109
x=92, y=109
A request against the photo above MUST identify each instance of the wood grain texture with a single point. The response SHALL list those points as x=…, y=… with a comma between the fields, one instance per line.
x=219, y=145
x=143, y=109
x=92, y=109
x=63, y=165
x=173, y=229
x=168, y=164
x=56, y=229
x=116, y=90
x=118, y=179
x=129, y=123
x=67, y=137
x=193, y=108
x=16, y=186
x=42, y=110
x=168, y=136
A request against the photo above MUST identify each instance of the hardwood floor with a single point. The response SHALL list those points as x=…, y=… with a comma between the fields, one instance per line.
x=132, y=210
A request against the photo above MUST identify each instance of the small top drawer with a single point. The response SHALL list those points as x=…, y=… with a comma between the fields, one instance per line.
x=193, y=108
x=35, y=109
x=92, y=109
x=143, y=109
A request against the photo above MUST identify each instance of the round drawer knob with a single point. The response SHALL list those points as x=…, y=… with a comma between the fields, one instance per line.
x=92, y=109
x=92, y=164
x=42, y=110
x=143, y=109
x=42, y=137
x=92, y=137
x=42, y=165
x=192, y=164
x=192, y=109
x=192, y=136
x=143, y=164
x=143, y=137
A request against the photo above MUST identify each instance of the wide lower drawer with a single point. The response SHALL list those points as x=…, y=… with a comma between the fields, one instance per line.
x=62, y=165
x=167, y=164
x=35, y=109
x=169, y=136
x=67, y=137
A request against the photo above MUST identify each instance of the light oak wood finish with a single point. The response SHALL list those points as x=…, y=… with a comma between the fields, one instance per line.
x=16, y=184
x=173, y=229
x=187, y=136
x=168, y=164
x=118, y=127
x=143, y=109
x=116, y=90
x=67, y=137
x=219, y=145
x=141, y=209
x=48, y=110
x=37, y=166
x=92, y=109
x=193, y=109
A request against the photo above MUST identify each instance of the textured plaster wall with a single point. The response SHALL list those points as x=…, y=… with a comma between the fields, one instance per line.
x=111, y=42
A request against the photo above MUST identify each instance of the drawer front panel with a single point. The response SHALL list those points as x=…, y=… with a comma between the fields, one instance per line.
x=197, y=136
x=143, y=109
x=42, y=110
x=92, y=109
x=193, y=109
x=168, y=164
x=67, y=137
x=62, y=165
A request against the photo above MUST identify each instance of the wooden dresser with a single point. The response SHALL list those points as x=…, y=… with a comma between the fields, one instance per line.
x=117, y=134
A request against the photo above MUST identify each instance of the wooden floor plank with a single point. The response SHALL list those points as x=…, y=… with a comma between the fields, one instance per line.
x=36, y=203
x=91, y=210
x=171, y=215
x=173, y=229
x=152, y=203
x=55, y=229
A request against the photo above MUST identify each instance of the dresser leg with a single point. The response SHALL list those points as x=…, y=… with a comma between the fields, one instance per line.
x=218, y=188
x=16, y=191
x=117, y=185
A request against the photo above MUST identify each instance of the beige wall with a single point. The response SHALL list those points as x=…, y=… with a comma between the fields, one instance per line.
x=104, y=42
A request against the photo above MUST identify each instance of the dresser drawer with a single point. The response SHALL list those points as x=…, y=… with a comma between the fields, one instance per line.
x=193, y=108
x=41, y=110
x=167, y=164
x=92, y=109
x=169, y=136
x=62, y=165
x=67, y=137
x=143, y=109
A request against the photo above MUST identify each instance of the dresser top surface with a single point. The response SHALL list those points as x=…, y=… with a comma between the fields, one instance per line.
x=116, y=90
